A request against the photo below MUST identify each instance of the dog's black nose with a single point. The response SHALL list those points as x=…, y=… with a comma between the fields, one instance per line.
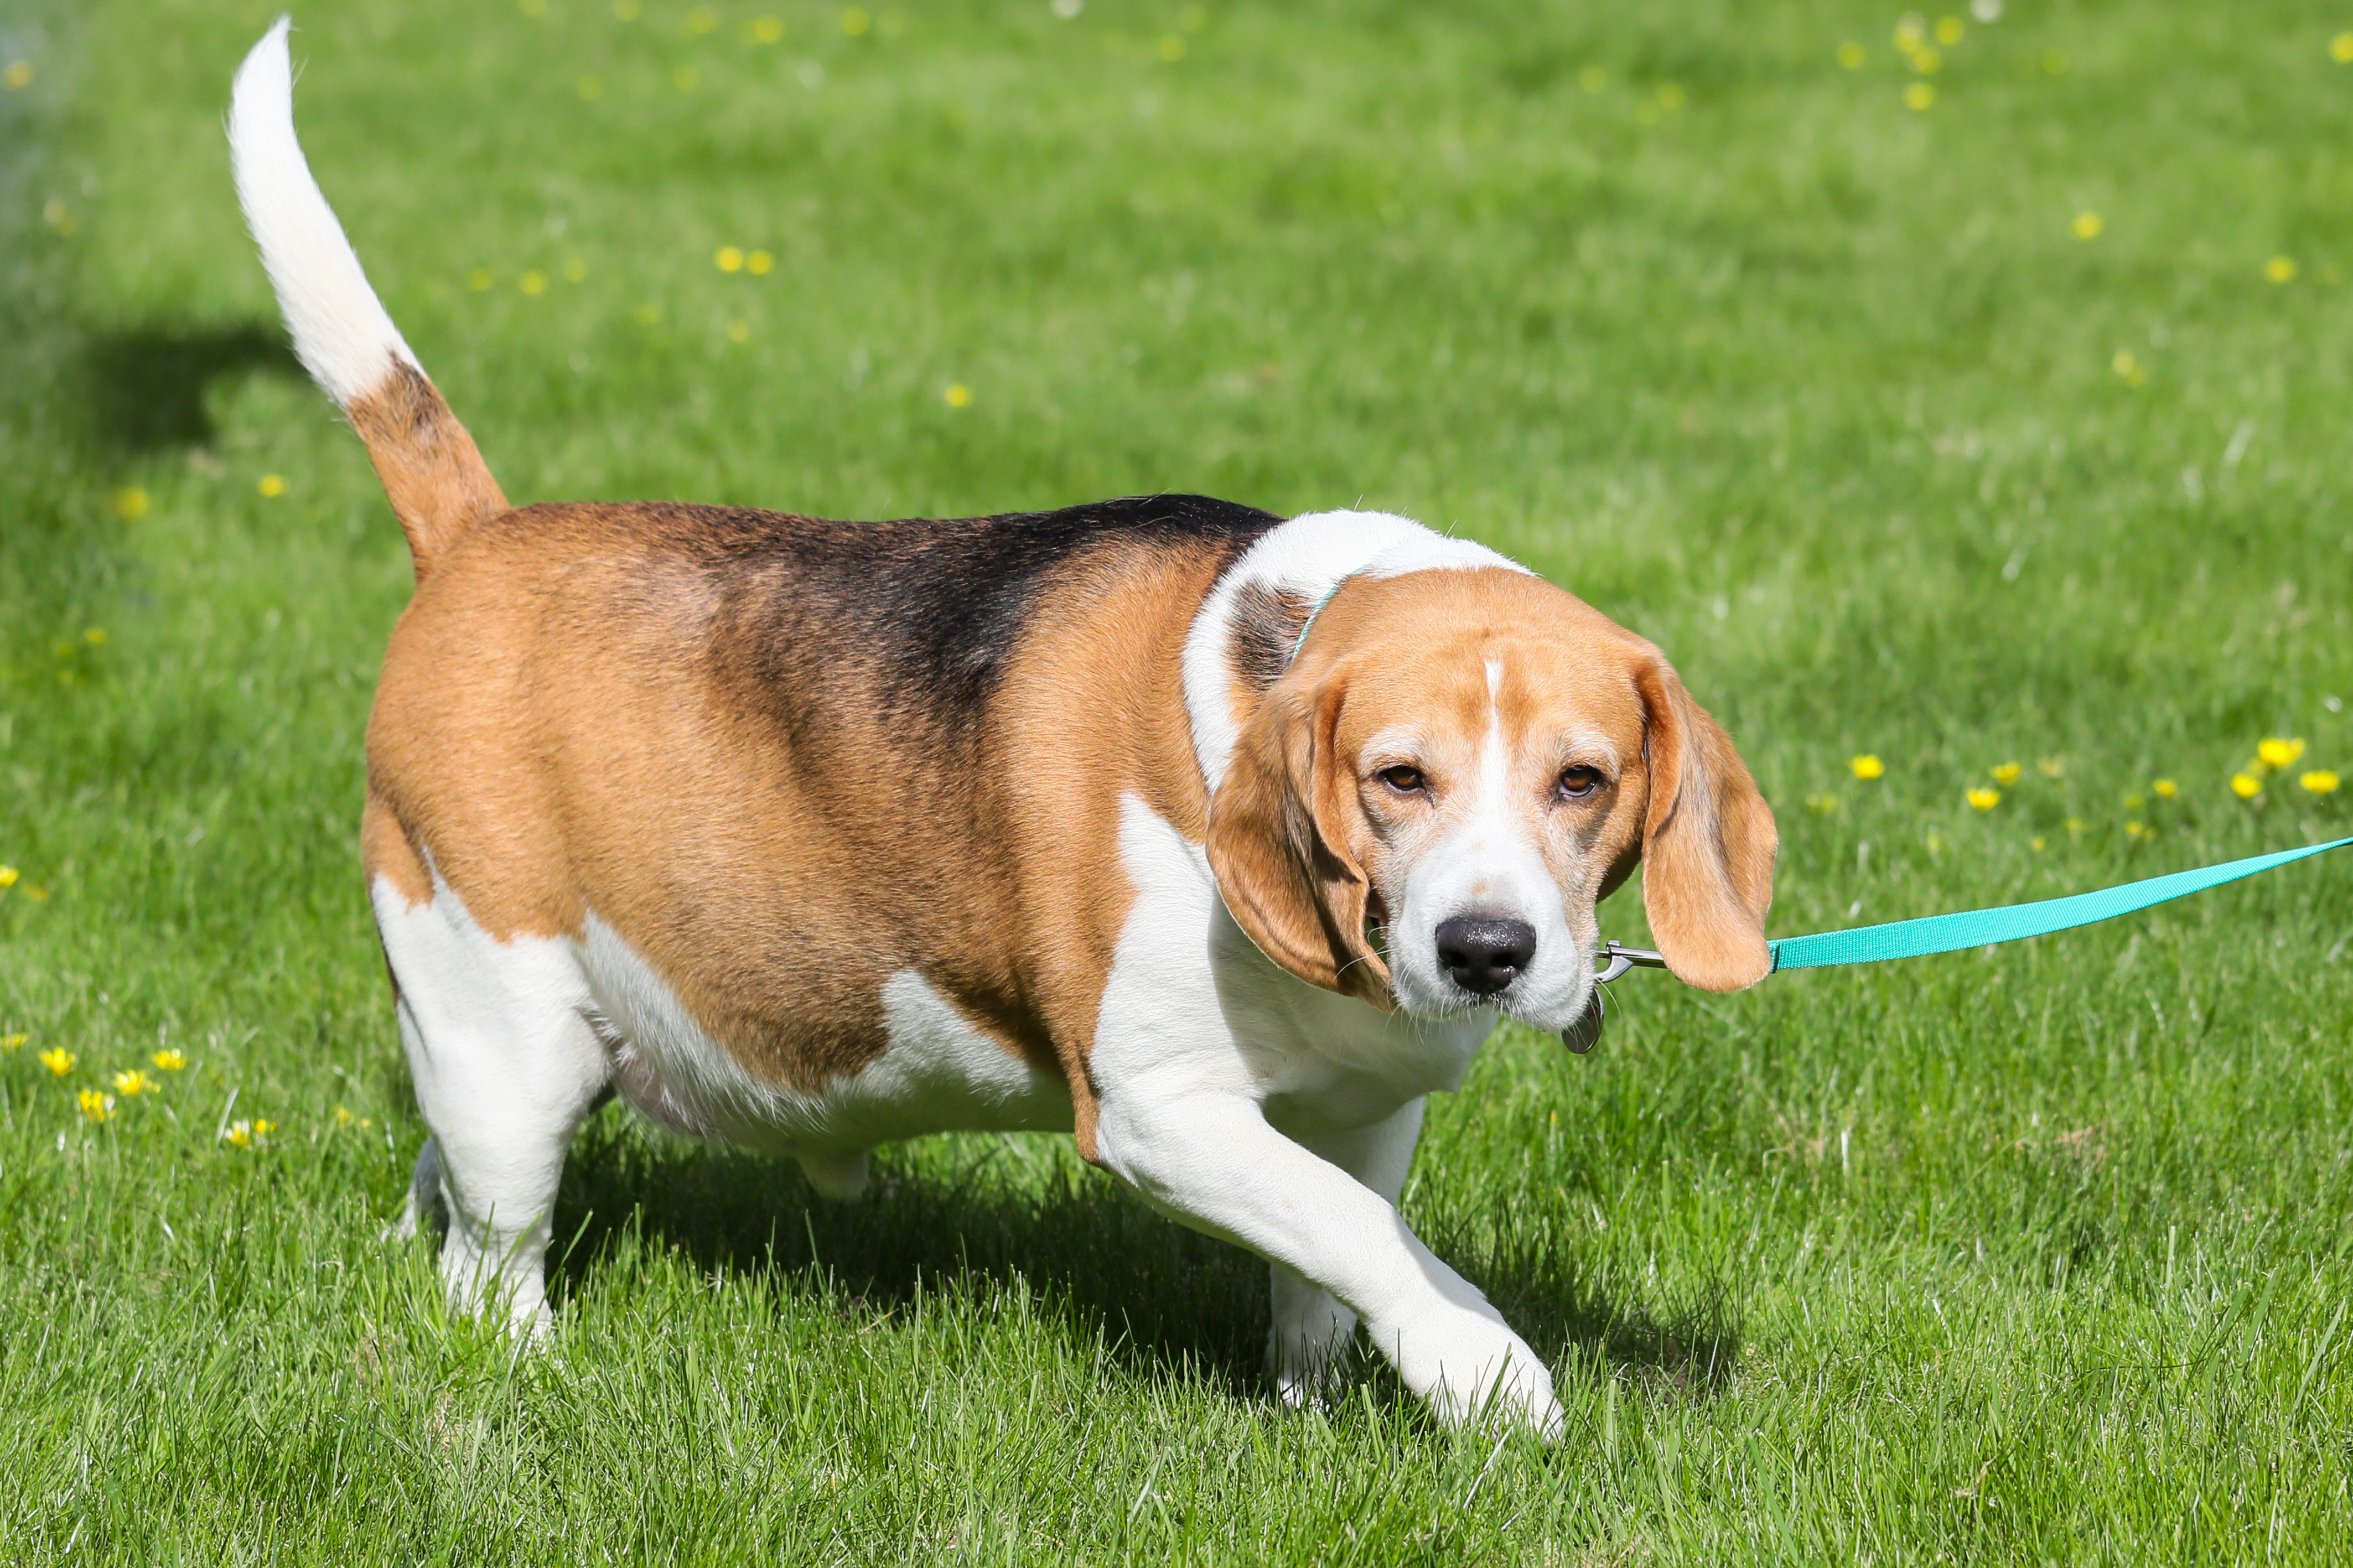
x=1484, y=956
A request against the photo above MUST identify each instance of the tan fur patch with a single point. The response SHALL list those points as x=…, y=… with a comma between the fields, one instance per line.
x=438, y=485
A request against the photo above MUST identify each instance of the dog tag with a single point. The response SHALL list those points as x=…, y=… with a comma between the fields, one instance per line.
x=1586, y=1033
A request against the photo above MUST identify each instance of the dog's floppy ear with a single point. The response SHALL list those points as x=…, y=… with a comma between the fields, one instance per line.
x=1708, y=842
x=1278, y=841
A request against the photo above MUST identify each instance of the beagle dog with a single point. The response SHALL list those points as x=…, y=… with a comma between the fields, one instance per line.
x=1217, y=839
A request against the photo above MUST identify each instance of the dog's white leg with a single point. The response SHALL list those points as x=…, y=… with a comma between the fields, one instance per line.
x=1312, y=1326
x=506, y=1067
x=424, y=1209
x=1211, y=1160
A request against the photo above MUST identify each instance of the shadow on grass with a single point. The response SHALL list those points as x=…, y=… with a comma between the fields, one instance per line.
x=146, y=386
x=1094, y=1256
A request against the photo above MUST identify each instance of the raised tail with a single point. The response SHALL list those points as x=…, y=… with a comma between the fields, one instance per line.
x=437, y=479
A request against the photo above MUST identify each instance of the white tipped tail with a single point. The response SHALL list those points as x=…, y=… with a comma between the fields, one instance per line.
x=437, y=481
x=341, y=330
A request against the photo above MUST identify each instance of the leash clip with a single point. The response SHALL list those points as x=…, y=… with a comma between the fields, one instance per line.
x=1617, y=960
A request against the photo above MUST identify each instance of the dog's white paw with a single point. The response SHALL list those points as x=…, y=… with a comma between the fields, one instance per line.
x=1473, y=1371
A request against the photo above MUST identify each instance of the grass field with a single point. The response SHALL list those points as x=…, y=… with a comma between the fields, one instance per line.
x=2010, y=429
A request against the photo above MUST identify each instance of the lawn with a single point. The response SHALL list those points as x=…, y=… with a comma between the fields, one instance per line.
x=1968, y=398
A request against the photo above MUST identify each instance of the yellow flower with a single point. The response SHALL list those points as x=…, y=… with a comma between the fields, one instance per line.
x=958, y=396
x=94, y=635
x=131, y=504
x=763, y=30
x=2040, y=843
x=2128, y=368
x=1170, y=47
x=730, y=260
x=59, y=1060
x=2166, y=789
x=8, y=875
x=263, y=1129
x=2007, y=773
x=2279, y=754
x=246, y=1134
x=2340, y=49
x=2320, y=781
x=13, y=1042
x=2137, y=830
x=95, y=1106
x=170, y=1061
x=2087, y=225
x=2074, y=826
x=1908, y=34
x=739, y=331
x=1823, y=804
x=1948, y=31
x=272, y=486
x=758, y=263
x=1849, y=55
x=2134, y=803
x=2051, y=768
x=1919, y=95
x=1925, y=60
x=1867, y=766
x=1985, y=799
x=344, y=1117
x=2246, y=786
x=534, y=282
x=478, y=279
x=855, y=21
x=18, y=74
x=135, y=1081
x=2280, y=269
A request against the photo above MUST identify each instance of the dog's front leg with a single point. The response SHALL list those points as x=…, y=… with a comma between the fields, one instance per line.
x=1312, y=1326
x=1209, y=1158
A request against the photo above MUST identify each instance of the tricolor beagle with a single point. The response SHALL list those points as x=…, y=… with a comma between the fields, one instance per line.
x=1217, y=839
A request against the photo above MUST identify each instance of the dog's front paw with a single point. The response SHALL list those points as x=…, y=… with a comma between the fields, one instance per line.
x=1309, y=1340
x=1473, y=1371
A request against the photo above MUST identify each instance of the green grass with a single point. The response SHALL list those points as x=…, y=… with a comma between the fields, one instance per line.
x=2035, y=1255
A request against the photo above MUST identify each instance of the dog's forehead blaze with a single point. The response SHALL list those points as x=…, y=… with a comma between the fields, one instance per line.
x=1448, y=655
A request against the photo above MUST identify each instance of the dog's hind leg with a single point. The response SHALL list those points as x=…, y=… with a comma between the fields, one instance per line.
x=506, y=1068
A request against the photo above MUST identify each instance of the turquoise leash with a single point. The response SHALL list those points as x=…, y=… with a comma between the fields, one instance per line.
x=1980, y=927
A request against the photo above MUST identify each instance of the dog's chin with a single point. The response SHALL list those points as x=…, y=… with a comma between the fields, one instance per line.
x=1548, y=1010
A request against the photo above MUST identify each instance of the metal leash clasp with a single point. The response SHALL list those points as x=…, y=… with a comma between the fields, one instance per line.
x=1586, y=1033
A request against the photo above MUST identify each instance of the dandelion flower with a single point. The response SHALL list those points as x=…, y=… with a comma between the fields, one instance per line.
x=170, y=1061
x=534, y=282
x=2340, y=49
x=2007, y=773
x=1867, y=766
x=1985, y=799
x=2074, y=826
x=479, y=279
x=2128, y=368
x=856, y=22
x=1909, y=35
x=2279, y=754
x=2165, y=789
x=739, y=331
x=94, y=635
x=2246, y=786
x=2087, y=225
x=2137, y=830
x=2280, y=269
x=1170, y=48
x=2040, y=843
x=1851, y=55
x=344, y=1117
x=59, y=1060
x=130, y=504
x=2320, y=781
x=246, y=1134
x=96, y=1107
x=19, y=74
x=765, y=30
x=1948, y=31
x=729, y=258
x=1919, y=96
x=13, y=1042
x=759, y=263
x=134, y=1081
x=272, y=486
x=8, y=875
x=263, y=1129
x=2134, y=803
x=958, y=396
x=1928, y=61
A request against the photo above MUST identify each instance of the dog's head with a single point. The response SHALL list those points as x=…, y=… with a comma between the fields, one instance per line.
x=1466, y=761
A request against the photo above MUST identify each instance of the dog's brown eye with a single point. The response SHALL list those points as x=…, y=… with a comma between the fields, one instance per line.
x=1403, y=780
x=1580, y=781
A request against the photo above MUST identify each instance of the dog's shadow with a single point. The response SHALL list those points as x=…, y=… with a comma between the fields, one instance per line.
x=147, y=385
x=1024, y=1213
